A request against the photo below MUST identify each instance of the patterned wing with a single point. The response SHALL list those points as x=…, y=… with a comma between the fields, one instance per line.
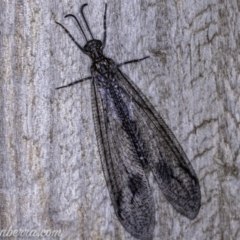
x=166, y=158
x=126, y=180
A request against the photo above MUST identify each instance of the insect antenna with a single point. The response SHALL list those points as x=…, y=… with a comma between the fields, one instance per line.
x=84, y=5
x=71, y=15
x=70, y=35
x=105, y=26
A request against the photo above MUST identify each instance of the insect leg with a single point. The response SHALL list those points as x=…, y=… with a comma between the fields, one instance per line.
x=132, y=61
x=75, y=82
x=105, y=27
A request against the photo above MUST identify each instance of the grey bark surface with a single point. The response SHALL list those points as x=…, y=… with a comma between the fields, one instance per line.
x=51, y=176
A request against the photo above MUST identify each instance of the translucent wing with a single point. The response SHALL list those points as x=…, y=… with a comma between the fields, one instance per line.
x=128, y=149
x=126, y=180
x=166, y=158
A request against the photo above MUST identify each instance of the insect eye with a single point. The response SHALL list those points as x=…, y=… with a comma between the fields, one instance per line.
x=86, y=49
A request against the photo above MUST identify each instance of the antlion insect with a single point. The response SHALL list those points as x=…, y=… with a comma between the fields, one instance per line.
x=132, y=139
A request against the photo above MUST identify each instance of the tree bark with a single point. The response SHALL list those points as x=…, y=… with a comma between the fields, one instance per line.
x=51, y=176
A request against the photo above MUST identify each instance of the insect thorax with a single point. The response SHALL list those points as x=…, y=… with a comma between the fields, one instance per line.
x=104, y=67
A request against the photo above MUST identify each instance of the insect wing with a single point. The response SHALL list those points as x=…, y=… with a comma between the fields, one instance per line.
x=166, y=158
x=126, y=180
